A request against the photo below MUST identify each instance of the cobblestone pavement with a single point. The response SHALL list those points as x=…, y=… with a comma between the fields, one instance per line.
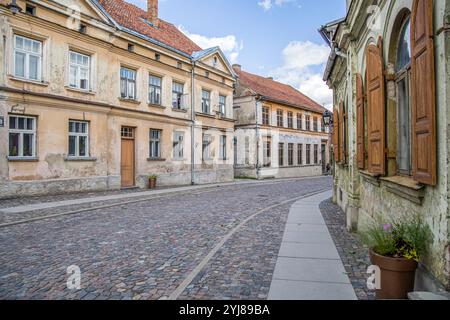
x=354, y=255
x=145, y=250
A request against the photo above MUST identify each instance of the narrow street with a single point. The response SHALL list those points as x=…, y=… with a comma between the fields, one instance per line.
x=208, y=243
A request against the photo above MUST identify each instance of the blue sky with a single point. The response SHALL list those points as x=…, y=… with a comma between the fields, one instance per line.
x=276, y=38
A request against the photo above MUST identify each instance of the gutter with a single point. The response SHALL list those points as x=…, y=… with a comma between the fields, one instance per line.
x=257, y=129
x=193, y=123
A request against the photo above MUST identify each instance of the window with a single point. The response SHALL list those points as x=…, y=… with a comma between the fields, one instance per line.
x=265, y=116
x=79, y=70
x=290, y=119
x=130, y=47
x=155, y=144
x=247, y=150
x=223, y=148
x=206, y=101
x=179, y=65
x=316, y=154
x=267, y=153
x=308, y=123
x=308, y=154
x=222, y=105
x=280, y=118
x=82, y=28
x=154, y=90
x=315, y=124
x=27, y=58
x=157, y=57
x=127, y=83
x=300, y=154
x=281, y=154
x=178, y=145
x=291, y=154
x=403, y=80
x=206, y=147
x=78, y=139
x=30, y=10
x=177, y=95
x=127, y=132
x=22, y=136
x=322, y=125
x=299, y=121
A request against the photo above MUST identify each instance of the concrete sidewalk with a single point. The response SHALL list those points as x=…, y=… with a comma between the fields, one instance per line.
x=308, y=265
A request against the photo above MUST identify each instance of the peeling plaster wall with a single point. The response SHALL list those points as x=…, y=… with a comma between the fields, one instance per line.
x=364, y=199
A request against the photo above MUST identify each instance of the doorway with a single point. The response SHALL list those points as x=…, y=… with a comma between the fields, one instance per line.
x=127, y=163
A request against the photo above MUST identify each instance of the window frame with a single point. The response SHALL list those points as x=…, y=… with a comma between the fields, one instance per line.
x=77, y=136
x=308, y=154
x=223, y=147
x=281, y=154
x=27, y=53
x=290, y=154
x=290, y=120
x=267, y=153
x=222, y=105
x=178, y=145
x=307, y=122
x=280, y=118
x=206, y=102
x=299, y=121
x=78, y=71
x=316, y=154
x=21, y=133
x=300, y=154
x=265, y=116
x=154, y=88
x=128, y=81
x=155, y=142
x=178, y=101
x=206, y=148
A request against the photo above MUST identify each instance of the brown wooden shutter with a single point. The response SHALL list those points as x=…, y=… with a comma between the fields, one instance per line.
x=423, y=93
x=360, y=122
x=375, y=109
x=342, y=148
x=336, y=136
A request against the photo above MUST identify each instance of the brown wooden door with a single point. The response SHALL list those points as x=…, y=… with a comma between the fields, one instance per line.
x=127, y=158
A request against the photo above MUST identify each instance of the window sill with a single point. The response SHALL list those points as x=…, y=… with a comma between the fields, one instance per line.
x=22, y=159
x=156, y=159
x=201, y=114
x=179, y=110
x=178, y=160
x=371, y=178
x=151, y=105
x=80, y=159
x=39, y=83
x=133, y=101
x=80, y=90
x=405, y=187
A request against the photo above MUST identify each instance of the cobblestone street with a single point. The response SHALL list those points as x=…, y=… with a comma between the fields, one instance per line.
x=175, y=246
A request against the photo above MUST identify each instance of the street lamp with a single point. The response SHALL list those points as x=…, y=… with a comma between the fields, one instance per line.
x=14, y=7
x=327, y=119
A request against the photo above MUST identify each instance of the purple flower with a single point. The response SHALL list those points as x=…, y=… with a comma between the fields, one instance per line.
x=387, y=228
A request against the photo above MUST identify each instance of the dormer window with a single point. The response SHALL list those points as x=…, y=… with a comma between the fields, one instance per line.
x=157, y=57
x=82, y=28
x=130, y=47
x=31, y=10
x=215, y=61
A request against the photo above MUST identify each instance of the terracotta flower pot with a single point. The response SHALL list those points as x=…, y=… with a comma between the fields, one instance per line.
x=152, y=183
x=397, y=276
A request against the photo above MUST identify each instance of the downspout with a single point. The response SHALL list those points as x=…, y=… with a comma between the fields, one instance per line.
x=258, y=166
x=193, y=123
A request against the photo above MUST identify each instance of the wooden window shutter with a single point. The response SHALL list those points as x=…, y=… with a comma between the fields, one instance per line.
x=336, y=136
x=423, y=93
x=342, y=148
x=375, y=109
x=360, y=122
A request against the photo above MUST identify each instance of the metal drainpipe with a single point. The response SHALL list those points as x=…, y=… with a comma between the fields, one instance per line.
x=258, y=167
x=193, y=124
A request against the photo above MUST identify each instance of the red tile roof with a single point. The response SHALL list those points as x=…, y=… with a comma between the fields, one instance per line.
x=276, y=91
x=131, y=17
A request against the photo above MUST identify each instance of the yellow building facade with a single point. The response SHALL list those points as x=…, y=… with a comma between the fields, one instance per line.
x=88, y=104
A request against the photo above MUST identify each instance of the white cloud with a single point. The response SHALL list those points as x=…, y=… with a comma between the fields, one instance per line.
x=268, y=4
x=300, y=63
x=230, y=46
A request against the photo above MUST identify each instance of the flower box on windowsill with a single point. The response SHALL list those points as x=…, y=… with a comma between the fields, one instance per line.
x=22, y=159
x=87, y=159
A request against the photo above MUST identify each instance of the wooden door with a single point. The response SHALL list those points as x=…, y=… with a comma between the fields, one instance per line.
x=127, y=163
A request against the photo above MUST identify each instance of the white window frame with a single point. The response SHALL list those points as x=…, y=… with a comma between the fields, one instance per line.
x=222, y=105
x=77, y=136
x=178, y=145
x=204, y=100
x=155, y=88
x=128, y=81
x=21, y=132
x=153, y=142
x=206, y=151
x=79, y=68
x=26, y=67
x=223, y=147
x=176, y=94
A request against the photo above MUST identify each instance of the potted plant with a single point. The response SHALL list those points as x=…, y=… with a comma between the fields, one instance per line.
x=396, y=248
x=152, y=181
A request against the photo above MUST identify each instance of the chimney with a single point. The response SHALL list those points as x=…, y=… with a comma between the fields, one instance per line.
x=237, y=67
x=152, y=12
